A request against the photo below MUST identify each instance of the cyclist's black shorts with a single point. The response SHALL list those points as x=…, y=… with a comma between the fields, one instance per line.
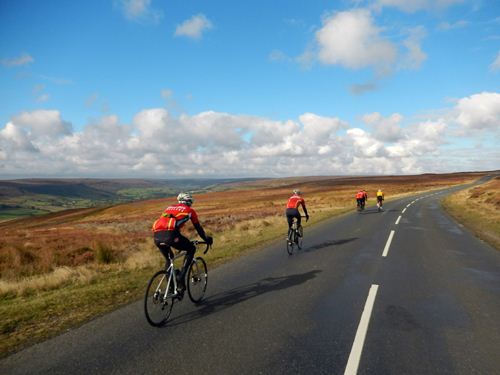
x=290, y=214
x=380, y=198
x=164, y=239
x=360, y=201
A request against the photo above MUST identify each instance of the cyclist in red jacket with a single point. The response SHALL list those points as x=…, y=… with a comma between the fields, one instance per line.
x=167, y=232
x=361, y=198
x=292, y=209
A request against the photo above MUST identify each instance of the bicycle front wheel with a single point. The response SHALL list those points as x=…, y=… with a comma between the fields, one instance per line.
x=158, y=301
x=197, y=280
x=298, y=240
x=289, y=242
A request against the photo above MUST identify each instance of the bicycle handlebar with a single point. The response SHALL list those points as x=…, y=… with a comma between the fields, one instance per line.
x=197, y=242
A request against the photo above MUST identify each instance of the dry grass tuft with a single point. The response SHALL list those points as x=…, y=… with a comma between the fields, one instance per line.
x=145, y=256
x=55, y=279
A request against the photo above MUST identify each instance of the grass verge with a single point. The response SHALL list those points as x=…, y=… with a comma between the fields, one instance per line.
x=478, y=209
x=31, y=318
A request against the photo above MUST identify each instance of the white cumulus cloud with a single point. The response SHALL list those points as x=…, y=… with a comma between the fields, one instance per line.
x=194, y=27
x=385, y=129
x=352, y=39
x=157, y=144
x=15, y=138
x=479, y=111
x=43, y=123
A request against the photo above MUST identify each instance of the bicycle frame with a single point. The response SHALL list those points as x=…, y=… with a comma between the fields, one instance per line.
x=158, y=303
x=294, y=238
x=171, y=271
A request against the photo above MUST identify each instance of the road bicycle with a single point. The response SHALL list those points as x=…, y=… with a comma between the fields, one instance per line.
x=295, y=237
x=379, y=205
x=360, y=205
x=162, y=291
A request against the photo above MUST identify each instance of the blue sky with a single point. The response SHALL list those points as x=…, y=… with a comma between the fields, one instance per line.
x=223, y=88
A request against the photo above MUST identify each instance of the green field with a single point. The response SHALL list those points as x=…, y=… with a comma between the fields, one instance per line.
x=14, y=213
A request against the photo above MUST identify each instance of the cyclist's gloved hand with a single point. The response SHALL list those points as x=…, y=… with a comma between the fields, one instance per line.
x=209, y=240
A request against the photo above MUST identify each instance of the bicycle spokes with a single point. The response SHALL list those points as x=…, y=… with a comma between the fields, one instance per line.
x=197, y=279
x=158, y=301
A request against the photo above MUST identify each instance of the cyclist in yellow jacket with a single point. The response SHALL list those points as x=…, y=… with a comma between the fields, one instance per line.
x=380, y=198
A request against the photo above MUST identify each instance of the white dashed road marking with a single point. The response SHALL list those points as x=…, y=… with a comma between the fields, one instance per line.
x=397, y=221
x=388, y=244
x=359, y=340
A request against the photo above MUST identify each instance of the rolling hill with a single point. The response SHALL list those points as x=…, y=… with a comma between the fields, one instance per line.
x=30, y=197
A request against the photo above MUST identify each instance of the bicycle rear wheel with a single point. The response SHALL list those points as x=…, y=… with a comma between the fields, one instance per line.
x=197, y=280
x=157, y=303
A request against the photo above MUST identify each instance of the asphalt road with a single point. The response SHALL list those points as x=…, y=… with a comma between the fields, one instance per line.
x=425, y=302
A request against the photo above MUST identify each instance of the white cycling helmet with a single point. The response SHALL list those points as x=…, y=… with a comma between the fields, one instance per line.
x=297, y=192
x=185, y=198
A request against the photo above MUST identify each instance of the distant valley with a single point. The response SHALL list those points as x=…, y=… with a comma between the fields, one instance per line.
x=30, y=197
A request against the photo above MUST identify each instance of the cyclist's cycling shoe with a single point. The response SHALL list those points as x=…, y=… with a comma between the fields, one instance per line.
x=180, y=294
x=181, y=286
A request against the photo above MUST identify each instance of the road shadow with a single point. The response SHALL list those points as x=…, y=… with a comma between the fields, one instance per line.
x=330, y=243
x=227, y=299
x=369, y=211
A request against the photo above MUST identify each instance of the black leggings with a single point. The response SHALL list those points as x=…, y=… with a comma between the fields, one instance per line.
x=166, y=239
x=290, y=214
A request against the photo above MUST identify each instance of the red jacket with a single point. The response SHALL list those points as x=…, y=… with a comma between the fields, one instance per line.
x=174, y=217
x=295, y=201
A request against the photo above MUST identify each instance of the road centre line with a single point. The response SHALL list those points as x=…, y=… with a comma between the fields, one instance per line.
x=388, y=244
x=397, y=221
x=403, y=210
x=359, y=339
x=408, y=205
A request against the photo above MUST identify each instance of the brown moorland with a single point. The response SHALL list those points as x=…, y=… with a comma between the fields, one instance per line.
x=61, y=269
x=478, y=208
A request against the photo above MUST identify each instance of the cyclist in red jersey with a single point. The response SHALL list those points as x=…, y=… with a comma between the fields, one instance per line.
x=360, y=198
x=292, y=209
x=167, y=232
